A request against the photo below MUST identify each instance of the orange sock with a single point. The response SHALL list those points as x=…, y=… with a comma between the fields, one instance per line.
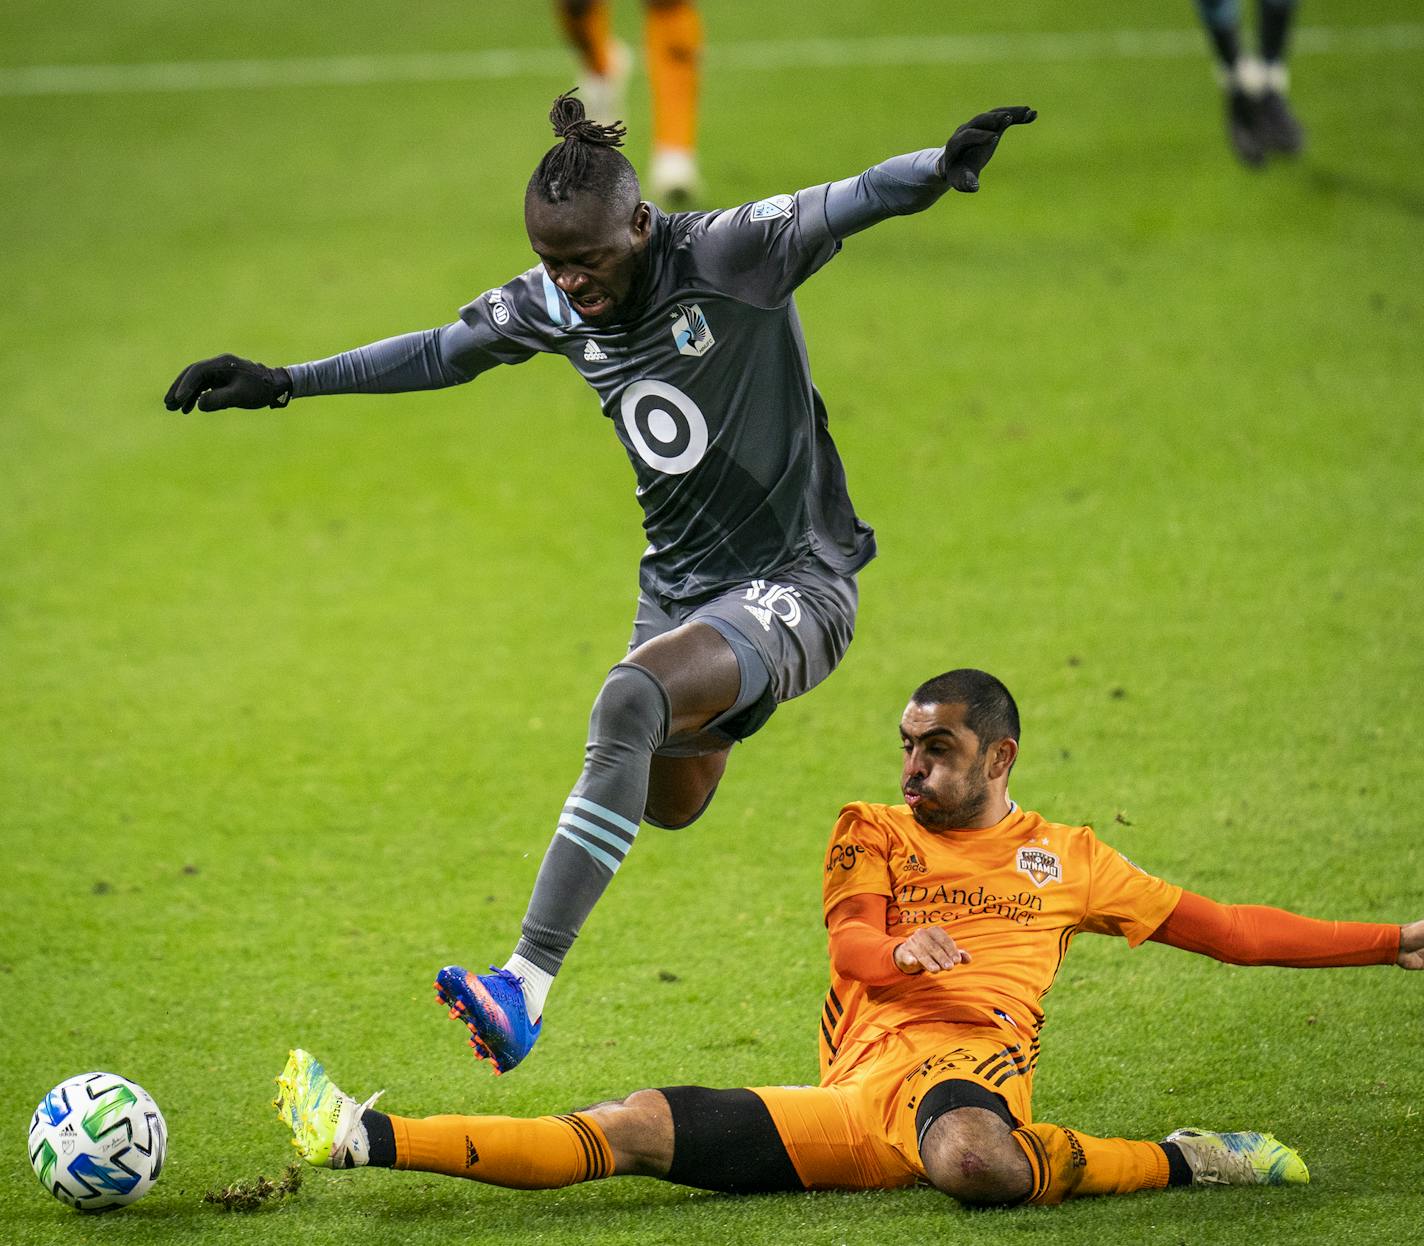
x=1066, y=1164
x=537, y=1154
x=674, y=39
x=587, y=26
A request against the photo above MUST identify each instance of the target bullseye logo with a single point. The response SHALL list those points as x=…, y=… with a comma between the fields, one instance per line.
x=665, y=426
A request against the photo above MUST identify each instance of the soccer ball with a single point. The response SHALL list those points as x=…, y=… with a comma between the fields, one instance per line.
x=97, y=1141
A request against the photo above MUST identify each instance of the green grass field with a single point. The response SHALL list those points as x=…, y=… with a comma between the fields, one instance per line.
x=289, y=700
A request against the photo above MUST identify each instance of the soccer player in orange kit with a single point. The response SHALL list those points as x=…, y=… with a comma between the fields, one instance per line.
x=673, y=42
x=949, y=916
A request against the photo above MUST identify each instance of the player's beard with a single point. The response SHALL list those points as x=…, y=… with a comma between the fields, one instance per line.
x=951, y=810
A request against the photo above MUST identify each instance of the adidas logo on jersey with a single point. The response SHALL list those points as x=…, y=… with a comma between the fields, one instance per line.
x=591, y=353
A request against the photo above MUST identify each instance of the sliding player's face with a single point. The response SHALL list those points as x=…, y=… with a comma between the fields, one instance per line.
x=945, y=778
x=595, y=253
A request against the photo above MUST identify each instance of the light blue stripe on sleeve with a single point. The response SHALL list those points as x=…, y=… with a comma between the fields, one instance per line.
x=560, y=310
x=598, y=811
x=597, y=854
x=598, y=832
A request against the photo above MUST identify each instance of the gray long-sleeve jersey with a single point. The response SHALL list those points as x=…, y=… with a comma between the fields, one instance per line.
x=705, y=381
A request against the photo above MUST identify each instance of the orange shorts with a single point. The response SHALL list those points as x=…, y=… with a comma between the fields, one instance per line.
x=857, y=1129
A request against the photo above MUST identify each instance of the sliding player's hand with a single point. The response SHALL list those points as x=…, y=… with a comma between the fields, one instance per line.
x=227, y=381
x=970, y=147
x=1411, y=946
x=929, y=951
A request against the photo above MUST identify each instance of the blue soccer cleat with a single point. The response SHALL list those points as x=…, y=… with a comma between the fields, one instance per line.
x=493, y=1009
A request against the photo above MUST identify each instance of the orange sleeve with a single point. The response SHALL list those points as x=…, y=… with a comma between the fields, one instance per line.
x=1249, y=934
x=857, y=860
x=1123, y=898
x=860, y=948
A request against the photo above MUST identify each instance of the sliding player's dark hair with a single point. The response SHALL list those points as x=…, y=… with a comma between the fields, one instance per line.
x=990, y=712
x=585, y=161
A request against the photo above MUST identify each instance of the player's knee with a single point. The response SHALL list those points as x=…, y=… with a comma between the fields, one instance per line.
x=639, y=1132
x=631, y=707
x=970, y=1155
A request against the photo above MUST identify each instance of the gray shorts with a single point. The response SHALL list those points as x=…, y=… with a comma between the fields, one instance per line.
x=793, y=628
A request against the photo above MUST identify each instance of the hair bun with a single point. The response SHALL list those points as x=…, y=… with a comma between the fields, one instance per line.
x=571, y=123
x=567, y=112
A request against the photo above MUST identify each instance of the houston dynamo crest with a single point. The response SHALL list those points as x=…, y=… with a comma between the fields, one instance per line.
x=1040, y=865
x=691, y=331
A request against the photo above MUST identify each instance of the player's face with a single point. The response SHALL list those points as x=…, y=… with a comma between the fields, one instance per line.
x=594, y=254
x=946, y=777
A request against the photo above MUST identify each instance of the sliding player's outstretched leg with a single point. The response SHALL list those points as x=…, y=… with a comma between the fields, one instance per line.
x=632, y=1137
x=674, y=684
x=974, y=1151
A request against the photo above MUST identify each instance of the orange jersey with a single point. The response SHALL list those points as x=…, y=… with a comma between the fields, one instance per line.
x=1012, y=895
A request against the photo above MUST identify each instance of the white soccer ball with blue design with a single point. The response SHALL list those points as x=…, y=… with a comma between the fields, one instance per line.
x=97, y=1141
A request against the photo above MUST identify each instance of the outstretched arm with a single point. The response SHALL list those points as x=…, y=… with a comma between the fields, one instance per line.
x=431, y=359
x=911, y=183
x=1250, y=934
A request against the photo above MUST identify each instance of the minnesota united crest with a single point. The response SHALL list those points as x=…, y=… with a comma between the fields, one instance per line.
x=691, y=331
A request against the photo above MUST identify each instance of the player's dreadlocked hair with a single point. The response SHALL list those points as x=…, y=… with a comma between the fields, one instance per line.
x=585, y=161
x=990, y=712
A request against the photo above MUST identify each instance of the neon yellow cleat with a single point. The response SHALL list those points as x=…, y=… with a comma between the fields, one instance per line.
x=325, y=1122
x=1239, y=1158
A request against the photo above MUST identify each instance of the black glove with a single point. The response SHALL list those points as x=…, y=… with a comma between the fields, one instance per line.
x=970, y=146
x=228, y=381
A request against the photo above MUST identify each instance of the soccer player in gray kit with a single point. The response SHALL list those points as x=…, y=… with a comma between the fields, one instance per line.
x=686, y=328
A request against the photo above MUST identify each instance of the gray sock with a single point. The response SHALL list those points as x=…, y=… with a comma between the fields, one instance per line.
x=600, y=818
